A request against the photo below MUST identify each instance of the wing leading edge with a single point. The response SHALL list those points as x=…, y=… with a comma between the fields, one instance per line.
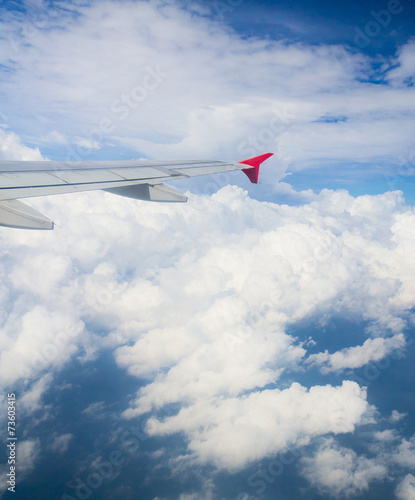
x=141, y=180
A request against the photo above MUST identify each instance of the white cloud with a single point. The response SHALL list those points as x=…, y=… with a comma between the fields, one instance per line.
x=396, y=416
x=355, y=357
x=123, y=274
x=405, y=453
x=37, y=340
x=164, y=91
x=95, y=410
x=232, y=432
x=406, y=488
x=340, y=472
x=11, y=148
x=238, y=270
x=85, y=143
x=386, y=436
x=60, y=443
x=405, y=69
x=31, y=399
x=28, y=452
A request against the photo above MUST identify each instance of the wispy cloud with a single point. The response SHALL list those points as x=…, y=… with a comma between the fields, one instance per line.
x=150, y=79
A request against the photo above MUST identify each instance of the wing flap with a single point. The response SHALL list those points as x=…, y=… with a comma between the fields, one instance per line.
x=148, y=192
x=32, y=191
x=14, y=213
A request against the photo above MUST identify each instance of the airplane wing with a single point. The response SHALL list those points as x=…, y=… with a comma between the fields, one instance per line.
x=141, y=180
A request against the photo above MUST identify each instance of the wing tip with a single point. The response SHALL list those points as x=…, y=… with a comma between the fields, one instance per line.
x=255, y=162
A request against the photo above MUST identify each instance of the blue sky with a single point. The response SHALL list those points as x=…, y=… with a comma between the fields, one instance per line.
x=327, y=22
x=256, y=342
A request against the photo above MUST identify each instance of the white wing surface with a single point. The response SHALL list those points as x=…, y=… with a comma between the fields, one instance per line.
x=135, y=179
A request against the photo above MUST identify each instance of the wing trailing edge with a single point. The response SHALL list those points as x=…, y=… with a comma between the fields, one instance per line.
x=14, y=213
x=149, y=192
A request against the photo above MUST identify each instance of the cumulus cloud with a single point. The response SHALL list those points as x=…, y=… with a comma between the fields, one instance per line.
x=12, y=148
x=340, y=472
x=37, y=340
x=386, y=436
x=405, y=68
x=406, y=488
x=235, y=431
x=198, y=310
x=405, y=453
x=355, y=357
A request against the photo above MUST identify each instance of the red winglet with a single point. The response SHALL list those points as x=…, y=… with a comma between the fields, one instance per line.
x=256, y=161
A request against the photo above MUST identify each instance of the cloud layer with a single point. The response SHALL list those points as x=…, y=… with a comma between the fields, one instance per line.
x=195, y=301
